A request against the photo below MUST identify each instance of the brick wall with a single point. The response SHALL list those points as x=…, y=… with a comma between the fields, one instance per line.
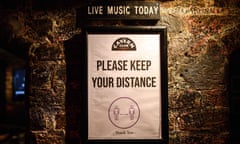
x=198, y=51
x=46, y=97
x=201, y=36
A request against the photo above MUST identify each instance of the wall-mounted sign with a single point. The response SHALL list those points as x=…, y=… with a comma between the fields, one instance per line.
x=123, y=10
x=127, y=83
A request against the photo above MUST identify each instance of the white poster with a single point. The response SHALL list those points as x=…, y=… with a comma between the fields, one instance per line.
x=124, y=86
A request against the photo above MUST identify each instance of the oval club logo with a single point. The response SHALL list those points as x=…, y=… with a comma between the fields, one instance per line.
x=124, y=44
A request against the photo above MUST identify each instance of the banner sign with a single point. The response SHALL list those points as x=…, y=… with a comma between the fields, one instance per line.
x=123, y=10
x=126, y=78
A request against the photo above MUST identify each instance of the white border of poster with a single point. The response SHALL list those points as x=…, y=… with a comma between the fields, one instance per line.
x=125, y=83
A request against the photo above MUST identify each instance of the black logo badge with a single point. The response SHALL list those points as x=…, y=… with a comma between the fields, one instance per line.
x=124, y=44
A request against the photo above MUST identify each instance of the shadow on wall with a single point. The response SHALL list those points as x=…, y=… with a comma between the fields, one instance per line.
x=223, y=3
x=234, y=92
x=75, y=89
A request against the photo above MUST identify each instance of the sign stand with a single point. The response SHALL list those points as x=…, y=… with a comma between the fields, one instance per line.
x=126, y=81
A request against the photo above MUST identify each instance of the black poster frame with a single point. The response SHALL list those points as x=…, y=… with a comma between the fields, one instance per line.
x=162, y=31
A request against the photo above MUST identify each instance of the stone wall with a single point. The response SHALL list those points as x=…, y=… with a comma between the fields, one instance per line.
x=198, y=51
x=201, y=36
x=47, y=76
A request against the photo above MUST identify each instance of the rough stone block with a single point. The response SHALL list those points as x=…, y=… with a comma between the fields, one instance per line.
x=46, y=52
x=37, y=119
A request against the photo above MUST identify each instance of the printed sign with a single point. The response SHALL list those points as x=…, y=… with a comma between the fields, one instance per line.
x=124, y=86
x=123, y=10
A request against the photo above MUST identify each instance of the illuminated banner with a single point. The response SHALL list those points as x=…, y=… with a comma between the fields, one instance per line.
x=123, y=10
x=126, y=83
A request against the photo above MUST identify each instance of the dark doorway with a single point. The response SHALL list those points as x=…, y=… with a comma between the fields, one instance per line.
x=234, y=91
